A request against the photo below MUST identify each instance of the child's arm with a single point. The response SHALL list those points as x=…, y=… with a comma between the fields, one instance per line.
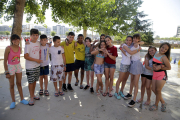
x=129, y=51
x=95, y=52
x=6, y=53
x=140, y=43
x=123, y=51
x=167, y=65
x=26, y=56
x=64, y=60
x=147, y=64
x=111, y=56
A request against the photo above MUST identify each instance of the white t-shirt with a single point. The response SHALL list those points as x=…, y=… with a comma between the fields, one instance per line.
x=126, y=59
x=56, y=55
x=33, y=50
x=44, y=55
x=135, y=56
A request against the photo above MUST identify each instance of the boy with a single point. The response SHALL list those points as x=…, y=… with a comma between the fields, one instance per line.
x=80, y=57
x=31, y=54
x=44, y=66
x=58, y=65
x=68, y=45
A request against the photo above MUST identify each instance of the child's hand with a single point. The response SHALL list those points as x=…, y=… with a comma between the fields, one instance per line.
x=121, y=45
x=75, y=44
x=64, y=69
x=67, y=42
x=27, y=43
x=39, y=61
x=49, y=44
x=92, y=66
x=8, y=76
x=162, y=66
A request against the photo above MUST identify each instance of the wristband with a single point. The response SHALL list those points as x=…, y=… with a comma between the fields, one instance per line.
x=120, y=48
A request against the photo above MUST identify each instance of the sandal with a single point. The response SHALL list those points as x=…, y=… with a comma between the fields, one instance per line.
x=147, y=103
x=86, y=87
x=81, y=87
x=46, y=93
x=97, y=93
x=41, y=92
x=36, y=98
x=56, y=94
x=110, y=95
x=61, y=93
x=76, y=83
x=138, y=101
x=31, y=103
x=163, y=107
x=104, y=94
x=153, y=108
x=101, y=91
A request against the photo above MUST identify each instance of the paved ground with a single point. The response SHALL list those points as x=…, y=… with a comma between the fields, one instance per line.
x=82, y=105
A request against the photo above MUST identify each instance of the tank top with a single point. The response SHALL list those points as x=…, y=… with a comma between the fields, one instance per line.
x=146, y=71
x=135, y=56
x=14, y=57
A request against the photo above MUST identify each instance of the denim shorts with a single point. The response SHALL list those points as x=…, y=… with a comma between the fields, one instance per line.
x=44, y=70
x=107, y=65
x=99, y=69
x=124, y=68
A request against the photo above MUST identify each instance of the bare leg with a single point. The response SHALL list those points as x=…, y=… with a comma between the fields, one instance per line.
x=18, y=83
x=34, y=86
x=60, y=86
x=131, y=84
x=55, y=86
x=107, y=71
x=120, y=79
x=41, y=82
x=136, y=80
x=124, y=81
x=92, y=78
x=11, y=83
x=76, y=74
x=87, y=77
x=64, y=80
x=46, y=81
x=143, y=84
x=148, y=90
x=31, y=91
x=82, y=76
x=69, y=77
x=112, y=70
x=160, y=85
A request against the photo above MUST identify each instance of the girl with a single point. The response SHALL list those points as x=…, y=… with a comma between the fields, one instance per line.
x=161, y=63
x=125, y=64
x=99, y=64
x=146, y=77
x=109, y=65
x=89, y=59
x=13, y=68
x=136, y=69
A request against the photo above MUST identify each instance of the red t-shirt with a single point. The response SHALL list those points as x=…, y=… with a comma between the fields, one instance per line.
x=112, y=51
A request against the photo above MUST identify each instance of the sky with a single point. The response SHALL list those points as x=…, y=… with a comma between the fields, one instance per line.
x=164, y=14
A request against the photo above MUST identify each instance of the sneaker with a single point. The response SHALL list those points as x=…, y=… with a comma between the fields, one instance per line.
x=86, y=87
x=117, y=96
x=12, y=106
x=69, y=87
x=64, y=87
x=121, y=94
x=131, y=104
x=25, y=102
x=91, y=90
x=128, y=96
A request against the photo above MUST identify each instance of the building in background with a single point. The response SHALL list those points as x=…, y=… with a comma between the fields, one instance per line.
x=178, y=32
x=5, y=28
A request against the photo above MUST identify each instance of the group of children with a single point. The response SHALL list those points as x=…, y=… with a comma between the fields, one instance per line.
x=93, y=58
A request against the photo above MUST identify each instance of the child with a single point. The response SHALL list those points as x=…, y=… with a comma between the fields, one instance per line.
x=146, y=76
x=44, y=66
x=69, y=46
x=109, y=65
x=80, y=57
x=136, y=69
x=31, y=54
x=99, y=64
x=13, y=68
x=58, y=65
x=89, y=60
x=161, y=63
x=125, y=65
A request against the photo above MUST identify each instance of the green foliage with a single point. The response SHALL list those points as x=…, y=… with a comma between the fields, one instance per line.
x=7, y=33
x=121, y=38
x=25, y=33
x=147, y=37
x=53, y=33
x=39, y=32
x=157, y=37
x=66, y=33
x=171, y=38
x=2, y=32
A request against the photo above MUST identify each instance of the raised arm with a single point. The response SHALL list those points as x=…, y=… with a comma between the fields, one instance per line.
x=147, y=64
x=129, y=51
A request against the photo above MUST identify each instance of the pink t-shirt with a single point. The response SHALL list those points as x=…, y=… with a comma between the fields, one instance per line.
x=14, y=57
x=112, y=51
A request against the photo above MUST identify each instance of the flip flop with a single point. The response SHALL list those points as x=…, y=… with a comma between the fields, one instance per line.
x=76, y=83
x=138, y=101
x=56, y=94
x=104, y=94
x=61, y=93
x=32, y=103
x=36, y=98
x=146, y=103
x=41, y=92
x=46, y=93
x=97, y=93
x=81, y=87
x=110, y=95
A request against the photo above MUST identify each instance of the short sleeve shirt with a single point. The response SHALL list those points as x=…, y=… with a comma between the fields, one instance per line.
x=80, y=52
x=112, y=51
x=56, y=55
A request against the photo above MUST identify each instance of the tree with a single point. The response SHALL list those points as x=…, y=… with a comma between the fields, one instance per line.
x=147, y=37
x=53, y=33
x=7, y=33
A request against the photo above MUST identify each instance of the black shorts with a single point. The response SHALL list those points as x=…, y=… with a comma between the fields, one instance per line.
x=44, y=70
x=147, y=76
x=79, y=64
x=70, y=67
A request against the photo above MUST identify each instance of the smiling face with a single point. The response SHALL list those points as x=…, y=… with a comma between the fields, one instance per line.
x=80, y=39
x=43, y=41
x=102, y=38
x=164, y=49
x=108, y=41
x=129, y=41
x=15, y=41
x=87, y=42
x=136, y=40
x=102, y=45
x=57, y=42
x=70, y=38
x=152, y=51
x=34, y=37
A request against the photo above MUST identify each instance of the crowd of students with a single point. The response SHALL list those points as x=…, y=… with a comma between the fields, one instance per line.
x=92, y=58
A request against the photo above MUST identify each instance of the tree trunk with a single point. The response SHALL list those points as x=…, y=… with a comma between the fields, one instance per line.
x=84, y=33
x=18, y=19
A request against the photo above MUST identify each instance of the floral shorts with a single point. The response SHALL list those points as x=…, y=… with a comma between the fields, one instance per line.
x=99, y=69
x=14, y=69
x=57, y=73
